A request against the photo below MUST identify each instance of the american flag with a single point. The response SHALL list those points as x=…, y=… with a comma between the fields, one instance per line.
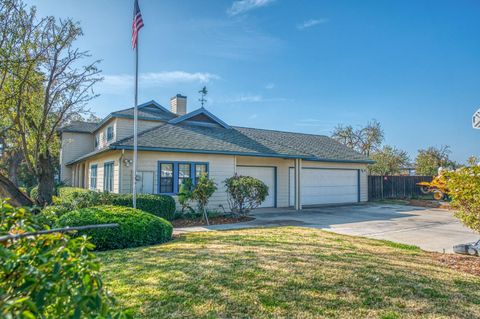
x=137, y=24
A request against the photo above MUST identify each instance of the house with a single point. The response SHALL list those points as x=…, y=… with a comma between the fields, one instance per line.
x=299, y=169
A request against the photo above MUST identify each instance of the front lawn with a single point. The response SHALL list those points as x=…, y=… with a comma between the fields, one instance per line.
x=287, y=272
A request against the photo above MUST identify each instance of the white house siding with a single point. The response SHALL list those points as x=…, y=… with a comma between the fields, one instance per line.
x=361, y=167
x=220, y=168
x=282, y=166
x=73, y=146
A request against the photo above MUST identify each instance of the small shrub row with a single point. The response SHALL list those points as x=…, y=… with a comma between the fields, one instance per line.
x=136, y=228
x=71, y=198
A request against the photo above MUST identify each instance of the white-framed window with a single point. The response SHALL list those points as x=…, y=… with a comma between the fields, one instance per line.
x=108, y=177
x=93, y=177
x=109, y=133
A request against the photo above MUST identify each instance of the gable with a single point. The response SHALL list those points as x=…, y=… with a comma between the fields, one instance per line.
x=200, y=117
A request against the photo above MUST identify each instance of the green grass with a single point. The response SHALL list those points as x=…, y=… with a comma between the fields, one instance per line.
x=287, y=272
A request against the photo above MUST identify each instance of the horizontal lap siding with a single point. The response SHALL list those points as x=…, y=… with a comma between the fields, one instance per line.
x=73, y=146
x=124, y=127
x=361, y=167
x=99, y=161
x=282, y=166
x=220, y=168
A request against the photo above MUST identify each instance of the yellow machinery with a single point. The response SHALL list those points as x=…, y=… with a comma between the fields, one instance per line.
x=437, y=186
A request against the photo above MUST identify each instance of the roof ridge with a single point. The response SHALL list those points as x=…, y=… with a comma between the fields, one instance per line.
x=280, y=131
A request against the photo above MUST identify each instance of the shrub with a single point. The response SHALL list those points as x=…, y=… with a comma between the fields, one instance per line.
x=136, y=228
x=185, y=194
x=65, y=192
x=48, y=276
x=159, y=205
x=463, y=187
x=245, y=193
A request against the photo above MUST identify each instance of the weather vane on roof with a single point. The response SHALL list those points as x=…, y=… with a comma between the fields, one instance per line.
x=203, y=93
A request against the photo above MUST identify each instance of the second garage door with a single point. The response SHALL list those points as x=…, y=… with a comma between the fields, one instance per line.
x=266, y=175
x=325, y=186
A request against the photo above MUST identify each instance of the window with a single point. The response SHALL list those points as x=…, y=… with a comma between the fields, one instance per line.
x=108, y=177
x=172, y=174
x=97, y=140
x=166, y=178
x=93, y=177
x=200, y=169
x=184, y=171
x=110, y=133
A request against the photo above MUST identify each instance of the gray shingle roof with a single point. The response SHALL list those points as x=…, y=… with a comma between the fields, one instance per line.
x=79, y=127
x=147, y=112
x=241, y=141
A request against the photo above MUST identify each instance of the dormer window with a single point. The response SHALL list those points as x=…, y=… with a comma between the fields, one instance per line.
x=109, y=133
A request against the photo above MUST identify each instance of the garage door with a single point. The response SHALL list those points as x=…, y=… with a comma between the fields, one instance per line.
x=266, y=175
x=325, y=186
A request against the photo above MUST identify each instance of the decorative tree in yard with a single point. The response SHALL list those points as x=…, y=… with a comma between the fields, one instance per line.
x=44, y=84
x=202, y=192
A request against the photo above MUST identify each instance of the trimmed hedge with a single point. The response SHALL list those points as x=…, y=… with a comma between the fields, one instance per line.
x=67, y=192
x=159, y=205
x=136, y=228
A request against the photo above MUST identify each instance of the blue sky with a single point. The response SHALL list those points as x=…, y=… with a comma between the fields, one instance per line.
x=306, y=66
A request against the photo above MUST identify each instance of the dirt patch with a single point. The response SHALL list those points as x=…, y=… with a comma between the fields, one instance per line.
x=468, y=264
x=429, y=203
x=213, y=221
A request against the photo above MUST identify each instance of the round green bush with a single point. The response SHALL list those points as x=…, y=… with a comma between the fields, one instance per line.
x=136, y=228
x=66, y=192
x=159, y=205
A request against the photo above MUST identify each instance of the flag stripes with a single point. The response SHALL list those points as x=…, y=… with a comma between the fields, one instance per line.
x=137, y=24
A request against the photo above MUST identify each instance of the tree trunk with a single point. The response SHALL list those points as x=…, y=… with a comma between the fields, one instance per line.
x=46, y=179
x=9, y=190
x=13, y=161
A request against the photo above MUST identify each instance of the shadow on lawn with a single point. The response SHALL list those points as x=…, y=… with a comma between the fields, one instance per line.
x=285, y=272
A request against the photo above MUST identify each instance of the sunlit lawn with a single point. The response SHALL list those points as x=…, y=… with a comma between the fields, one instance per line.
x=287, y=272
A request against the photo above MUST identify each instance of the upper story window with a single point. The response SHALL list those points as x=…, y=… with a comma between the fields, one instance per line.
x=97, y=140
x=109, y=133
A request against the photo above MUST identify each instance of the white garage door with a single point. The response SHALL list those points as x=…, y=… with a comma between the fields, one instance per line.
x=325, y=186
x=266, y=175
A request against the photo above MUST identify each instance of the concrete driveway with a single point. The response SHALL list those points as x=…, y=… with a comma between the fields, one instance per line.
x=430, y=229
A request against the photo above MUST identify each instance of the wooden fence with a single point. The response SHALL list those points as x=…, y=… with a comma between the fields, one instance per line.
x=394, y=187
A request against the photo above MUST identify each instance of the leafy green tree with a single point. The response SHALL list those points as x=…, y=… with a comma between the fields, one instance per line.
x=429, y=160
x=202, y=192
x=364, y=140
x=49, y=275
x=388, y=161
x=44, y=84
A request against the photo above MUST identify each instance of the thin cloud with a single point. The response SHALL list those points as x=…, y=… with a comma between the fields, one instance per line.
x=156, y=79
x=243, y=6
x=254, y=98
x=310, y=23
x=270, y=86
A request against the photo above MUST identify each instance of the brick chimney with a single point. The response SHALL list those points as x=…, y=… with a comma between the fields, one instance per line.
x=178, y=104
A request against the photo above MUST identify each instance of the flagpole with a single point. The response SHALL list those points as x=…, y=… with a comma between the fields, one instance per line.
x=135, y=128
